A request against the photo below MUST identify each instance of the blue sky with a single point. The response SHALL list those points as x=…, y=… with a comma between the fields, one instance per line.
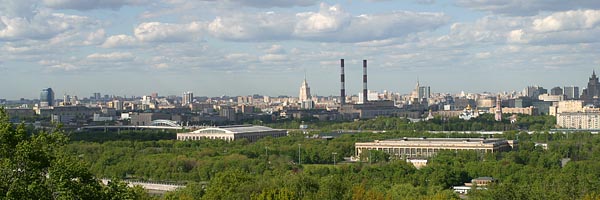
x=242, y=47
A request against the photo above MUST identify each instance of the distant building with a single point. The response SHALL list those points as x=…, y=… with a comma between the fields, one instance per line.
x=498, y=113
x=521, y=102
x=478, y=183
x=570, y=106
x=17, y=113
x=592, y=92
x=548, y=97
x=428, y=147
x=571, y=92
x=66, y=114
x=526, y=111
x=468, y=113
x=231, y=133
x=485, y=103
x=542, y=107
x=369, y=110
x=304, y=91
x=227, y=113
x=556, y=91
x=187, y=99
x=47, y=97
x=578, y=120
x=145, y=119
x=424, y=93
x=97, y=96
x=420, y=94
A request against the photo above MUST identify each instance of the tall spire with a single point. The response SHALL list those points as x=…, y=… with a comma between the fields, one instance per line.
x=304, y=90
x=304, y=75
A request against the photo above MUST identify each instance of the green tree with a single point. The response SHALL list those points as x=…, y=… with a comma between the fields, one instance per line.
x=34, y=166
x=230, y=184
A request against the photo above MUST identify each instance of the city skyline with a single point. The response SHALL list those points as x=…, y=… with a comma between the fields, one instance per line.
x=248, y=47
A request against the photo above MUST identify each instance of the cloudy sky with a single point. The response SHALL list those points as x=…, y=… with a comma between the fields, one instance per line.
x=241, y=47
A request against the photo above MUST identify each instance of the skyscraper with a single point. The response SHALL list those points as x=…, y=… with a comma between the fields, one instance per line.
x=556, y=91
x=571, y=92
x=97, y=96
x=47, y=97
x=593, y=89
x=304, y=91
x=420, y=94
x=188, y=98
x=424, y=92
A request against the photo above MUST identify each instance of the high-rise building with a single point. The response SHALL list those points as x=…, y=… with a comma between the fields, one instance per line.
x=593, y=89
x=304, y=91
x=66, y=100
x=534, y=92
x=556, y=91
x=424, y=92
x=47, y=97
x=188, y=98
x=118, y=105
x=74, y=100
x=97, y=96
x=571, y=92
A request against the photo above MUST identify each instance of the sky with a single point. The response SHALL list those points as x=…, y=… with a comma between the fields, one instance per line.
x=244, y=47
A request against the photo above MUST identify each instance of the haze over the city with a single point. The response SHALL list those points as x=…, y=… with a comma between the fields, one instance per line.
x=237, y=47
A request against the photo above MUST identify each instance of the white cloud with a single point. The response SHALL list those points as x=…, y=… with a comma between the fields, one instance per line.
x=330, y=24
x=570, y=20
x=113, y=56
x=528, y=7
x=275, y=49
x=116, y=41
x=91, y=4
x=329, y=19
x=64, y=67
x=252, y=27
x=20, y=8
x=41, y=26
x=267, y=4
x=274, y=58
x=166, y=32
x=161, y=66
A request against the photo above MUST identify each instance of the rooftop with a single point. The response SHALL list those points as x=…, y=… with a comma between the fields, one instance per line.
x=235, y=129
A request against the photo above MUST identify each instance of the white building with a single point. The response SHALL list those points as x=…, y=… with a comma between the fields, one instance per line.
x=427, y=147
x=578, y=120
x=187, y=98
x=230, y=133
x=304, y=91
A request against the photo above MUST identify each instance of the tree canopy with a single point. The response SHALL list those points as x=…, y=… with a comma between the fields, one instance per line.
x=33, y=165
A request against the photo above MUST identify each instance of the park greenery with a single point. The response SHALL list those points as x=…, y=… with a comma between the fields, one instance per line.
x=485, y=122
x=35, y=165
x=296, y=166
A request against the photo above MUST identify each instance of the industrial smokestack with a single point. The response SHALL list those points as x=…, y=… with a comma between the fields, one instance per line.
x=343, y=87
x=365, y=82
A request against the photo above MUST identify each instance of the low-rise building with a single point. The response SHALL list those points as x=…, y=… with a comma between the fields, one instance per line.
x=231, y=133
x=427, y=147
x=145, y=119
x=526, y=111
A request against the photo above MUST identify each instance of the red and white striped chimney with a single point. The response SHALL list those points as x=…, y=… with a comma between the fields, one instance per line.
x=365, y=94
x=343, y=86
